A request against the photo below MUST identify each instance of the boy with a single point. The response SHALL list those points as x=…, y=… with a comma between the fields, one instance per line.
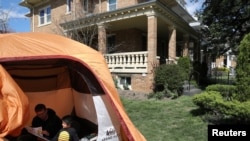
x=67, y=133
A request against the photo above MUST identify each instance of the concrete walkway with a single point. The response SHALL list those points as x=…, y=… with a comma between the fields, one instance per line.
x=190, y=89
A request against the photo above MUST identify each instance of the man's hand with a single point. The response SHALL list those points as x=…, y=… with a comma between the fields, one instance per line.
x=45, y=132
x=29, y=129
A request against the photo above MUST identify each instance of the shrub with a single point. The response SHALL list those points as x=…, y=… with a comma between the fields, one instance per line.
x=227, y=91
x=184, y=63
x=243, y=70
x=207, y=100
x=236, y=110
x=164, y=93
x=170, y=77
x=217, y=108
x=157, y=95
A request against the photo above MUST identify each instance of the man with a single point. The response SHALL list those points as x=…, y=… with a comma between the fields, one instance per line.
x=45, y=118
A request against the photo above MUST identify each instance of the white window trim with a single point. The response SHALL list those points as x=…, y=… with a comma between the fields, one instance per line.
x=45, y=16
x=109, y=5
x=69, y=6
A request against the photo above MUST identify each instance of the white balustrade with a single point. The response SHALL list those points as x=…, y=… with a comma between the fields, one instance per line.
x=127, y=62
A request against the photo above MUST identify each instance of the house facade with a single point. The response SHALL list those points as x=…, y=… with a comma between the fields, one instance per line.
x=135, y=36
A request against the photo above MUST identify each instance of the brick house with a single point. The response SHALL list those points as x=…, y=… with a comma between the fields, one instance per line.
x=133, y=35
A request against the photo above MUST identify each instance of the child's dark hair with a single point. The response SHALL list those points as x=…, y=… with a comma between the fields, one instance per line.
x=67, y=119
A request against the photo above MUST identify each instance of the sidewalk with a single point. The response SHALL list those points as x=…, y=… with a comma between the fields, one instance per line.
x=190, y=89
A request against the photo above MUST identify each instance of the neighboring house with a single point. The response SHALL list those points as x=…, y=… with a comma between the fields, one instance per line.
x=134, y=35
x=227, y=61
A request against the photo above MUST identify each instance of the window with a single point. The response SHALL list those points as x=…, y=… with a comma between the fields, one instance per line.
x=45, y=16
x=85, y=5
x=125, y=82
x=68, y=10
x=112, y=5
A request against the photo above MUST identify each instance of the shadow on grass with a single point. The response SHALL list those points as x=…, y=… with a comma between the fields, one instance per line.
x=228, y=121
x=197, y=112
x=218, y=119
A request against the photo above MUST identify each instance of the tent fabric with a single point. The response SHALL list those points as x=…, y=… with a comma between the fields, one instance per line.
x=35, y=46
x=14, y=106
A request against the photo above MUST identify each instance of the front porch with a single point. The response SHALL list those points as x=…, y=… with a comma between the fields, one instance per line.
x=137, y=36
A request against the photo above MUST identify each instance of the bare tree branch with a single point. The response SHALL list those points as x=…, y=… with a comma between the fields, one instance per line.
x=4, y=19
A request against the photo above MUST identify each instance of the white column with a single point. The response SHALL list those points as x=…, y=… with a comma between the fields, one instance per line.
x=228, y=60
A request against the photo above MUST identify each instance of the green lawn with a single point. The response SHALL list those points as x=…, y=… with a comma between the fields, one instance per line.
x=167, y=120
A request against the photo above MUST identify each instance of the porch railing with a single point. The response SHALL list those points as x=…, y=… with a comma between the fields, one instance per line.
x=127, y=62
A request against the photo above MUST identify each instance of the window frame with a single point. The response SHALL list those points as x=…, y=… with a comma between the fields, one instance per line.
x=46, y=16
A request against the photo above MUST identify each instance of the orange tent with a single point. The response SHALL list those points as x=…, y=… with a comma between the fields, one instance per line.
x=66, y=76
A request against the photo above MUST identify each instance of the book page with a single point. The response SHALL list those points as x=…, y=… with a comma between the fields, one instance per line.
x=37, y=131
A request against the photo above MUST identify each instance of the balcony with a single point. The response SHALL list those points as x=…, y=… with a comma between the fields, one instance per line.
x=127, y=62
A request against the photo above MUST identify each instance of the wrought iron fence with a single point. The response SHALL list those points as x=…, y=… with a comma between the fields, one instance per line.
x=222, y=77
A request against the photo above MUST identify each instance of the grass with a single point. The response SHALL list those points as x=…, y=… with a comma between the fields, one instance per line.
x=167, y=120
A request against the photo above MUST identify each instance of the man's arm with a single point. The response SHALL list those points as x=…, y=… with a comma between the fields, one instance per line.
x=54, y=126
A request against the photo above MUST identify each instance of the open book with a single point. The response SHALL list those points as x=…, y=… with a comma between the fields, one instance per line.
x=37, y=131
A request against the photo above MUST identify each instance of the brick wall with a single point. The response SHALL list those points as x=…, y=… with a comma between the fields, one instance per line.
x=125, y=3
x=59, y=15
x=141, y=83
x=58, y=10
